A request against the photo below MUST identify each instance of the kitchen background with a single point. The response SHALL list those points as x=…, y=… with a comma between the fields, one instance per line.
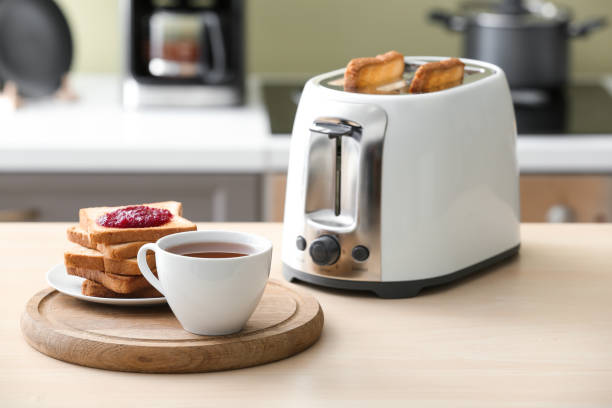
x=319, y=35
x=229, y=163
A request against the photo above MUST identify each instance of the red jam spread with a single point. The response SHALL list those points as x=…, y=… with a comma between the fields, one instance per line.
x=138, y=216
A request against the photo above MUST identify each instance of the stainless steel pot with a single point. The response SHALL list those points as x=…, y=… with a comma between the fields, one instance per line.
x=528, y=40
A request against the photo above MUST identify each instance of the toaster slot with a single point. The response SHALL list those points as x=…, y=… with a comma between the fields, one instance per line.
x=332, y=183
x=320, y=183
x=349, y=177
x=338, y=184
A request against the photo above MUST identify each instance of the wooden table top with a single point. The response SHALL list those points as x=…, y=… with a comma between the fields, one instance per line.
x=535, y=331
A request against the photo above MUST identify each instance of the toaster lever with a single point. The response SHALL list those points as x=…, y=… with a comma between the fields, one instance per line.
x=333, y=130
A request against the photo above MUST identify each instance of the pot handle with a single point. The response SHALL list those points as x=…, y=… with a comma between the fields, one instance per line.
x=449, y=20
x=585, y=28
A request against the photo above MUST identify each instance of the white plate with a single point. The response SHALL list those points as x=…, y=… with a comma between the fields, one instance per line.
x=71, y=286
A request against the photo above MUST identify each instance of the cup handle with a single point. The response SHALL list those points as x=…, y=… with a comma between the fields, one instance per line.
x=144, y=267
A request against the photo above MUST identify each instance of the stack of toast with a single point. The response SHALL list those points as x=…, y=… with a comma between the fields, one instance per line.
x=106, y=257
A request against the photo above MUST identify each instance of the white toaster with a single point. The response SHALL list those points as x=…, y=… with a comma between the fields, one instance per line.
x=391, y=193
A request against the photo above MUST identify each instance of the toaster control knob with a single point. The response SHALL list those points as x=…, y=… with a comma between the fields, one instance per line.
x=360, y=253
x=300, y=243
x=325, y=250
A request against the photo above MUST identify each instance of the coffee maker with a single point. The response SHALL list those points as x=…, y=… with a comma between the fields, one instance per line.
x=183, y=53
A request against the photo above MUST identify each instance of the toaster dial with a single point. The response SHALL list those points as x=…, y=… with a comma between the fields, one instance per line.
x=360, y=253
x=325, y=250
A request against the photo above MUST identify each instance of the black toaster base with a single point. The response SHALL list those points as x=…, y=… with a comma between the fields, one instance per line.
x=397, y=289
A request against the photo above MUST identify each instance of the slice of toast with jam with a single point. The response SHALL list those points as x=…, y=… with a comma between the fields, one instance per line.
x=156, y=220
x=107, y=239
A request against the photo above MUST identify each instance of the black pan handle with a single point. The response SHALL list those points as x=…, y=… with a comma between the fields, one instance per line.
x=583, y=29
x=450, y=21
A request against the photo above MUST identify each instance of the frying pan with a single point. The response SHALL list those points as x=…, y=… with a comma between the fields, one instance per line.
x=35, y=45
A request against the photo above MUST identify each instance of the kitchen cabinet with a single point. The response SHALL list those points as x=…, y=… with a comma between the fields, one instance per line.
x=57, y=197
x=544, y=198
x=566, y=198
x=274, y=196
x=252, y=197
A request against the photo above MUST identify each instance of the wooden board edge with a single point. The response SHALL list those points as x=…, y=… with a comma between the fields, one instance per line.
x=311, y=331
x=39, y=334
x=43, y=338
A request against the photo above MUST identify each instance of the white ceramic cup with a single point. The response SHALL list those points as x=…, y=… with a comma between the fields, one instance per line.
x=209, y=296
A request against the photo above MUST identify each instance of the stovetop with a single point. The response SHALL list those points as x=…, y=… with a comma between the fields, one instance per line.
x=578, y=110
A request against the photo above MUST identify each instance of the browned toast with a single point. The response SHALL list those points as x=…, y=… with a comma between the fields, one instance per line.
x=121, y=251
x=104, y=235
x=81, y=257
x=127, y=266
x=76, y=255
x=125, y=250
x=116, y=283
x=368, y=72
x=79, y=236
x=436, y=76
x=106, y=257
x=91, y=288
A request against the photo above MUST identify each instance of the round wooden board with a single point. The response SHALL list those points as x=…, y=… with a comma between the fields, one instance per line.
x=151, y=340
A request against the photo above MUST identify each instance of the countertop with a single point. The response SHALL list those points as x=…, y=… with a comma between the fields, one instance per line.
x=96, y=135
x=535, y=331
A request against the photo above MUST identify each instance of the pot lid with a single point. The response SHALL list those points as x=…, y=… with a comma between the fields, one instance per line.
x=515, y=13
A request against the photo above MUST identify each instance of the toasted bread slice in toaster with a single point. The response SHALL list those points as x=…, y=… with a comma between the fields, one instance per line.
x=371, y=72
x=436, y=76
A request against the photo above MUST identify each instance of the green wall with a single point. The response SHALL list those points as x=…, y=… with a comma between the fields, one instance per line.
x=309, y=36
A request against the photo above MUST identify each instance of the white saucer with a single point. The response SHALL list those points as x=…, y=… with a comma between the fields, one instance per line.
x=71, y=285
